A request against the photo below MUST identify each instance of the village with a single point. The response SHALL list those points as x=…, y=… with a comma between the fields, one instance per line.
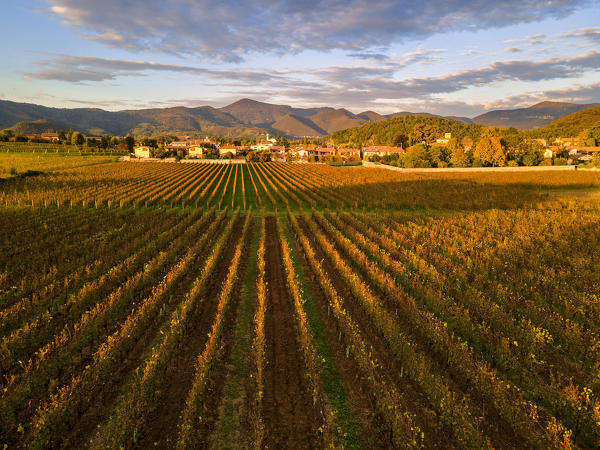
x=267, y=150
x=557, y=151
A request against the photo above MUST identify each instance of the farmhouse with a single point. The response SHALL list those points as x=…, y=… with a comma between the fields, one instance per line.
x=143, y=151
x=261, y=146
x=584, y=149
x=380, y=150
x=278, y=151
x=445, y=139
x=302, y=151
x=228, y=149
x=177, y=145
x=196, y=151
x=349, y=152
x=50, y=136
x=550, y=151
x=324, y=151
x=566, y=141
x=582, y=153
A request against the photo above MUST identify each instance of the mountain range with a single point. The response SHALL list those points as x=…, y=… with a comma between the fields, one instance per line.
x=245, y=117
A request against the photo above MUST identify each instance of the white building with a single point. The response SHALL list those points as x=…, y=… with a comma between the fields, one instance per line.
x=196, y=151
x=261, y=146
x=143, y=151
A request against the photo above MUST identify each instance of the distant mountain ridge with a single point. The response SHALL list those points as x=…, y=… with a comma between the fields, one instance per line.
x=571, y=125
x=244, y=117
x=535, y=116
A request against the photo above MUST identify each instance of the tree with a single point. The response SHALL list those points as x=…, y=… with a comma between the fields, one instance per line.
x=400, y=140
x=105, y=141
x=251, y=156
x=264, y=156
x=595, y=134
x=490, y=152
x=417, y=156
x=282, y=141
x=511, y=143
x=129, y=142
x=261, y=156
x=439, y=156
x=424, y=132
x=529, y=153
x=586, y=138
x=77, y=139
x=467, y=142
x=62, y=137
x=458, y=157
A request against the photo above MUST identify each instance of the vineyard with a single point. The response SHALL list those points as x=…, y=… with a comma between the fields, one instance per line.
x=277, y=305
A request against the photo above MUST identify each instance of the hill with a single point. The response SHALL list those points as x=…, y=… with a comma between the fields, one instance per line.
x=291, y=125
x=371, y=116
x=40, y=126
x=535, y=116
x=245, y=118
x=204, y=120
x=385, y=132
x=425, y=114
x=256, y=113
x=265, y=114
x=571, y=125
x=337, y=119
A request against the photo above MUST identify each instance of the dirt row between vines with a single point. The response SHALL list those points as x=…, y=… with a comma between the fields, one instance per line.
x=84, y=429
x=288, y=411
x=437, y=434
x=161, y=423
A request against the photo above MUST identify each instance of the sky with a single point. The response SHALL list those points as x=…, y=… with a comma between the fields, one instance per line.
x=451, y=57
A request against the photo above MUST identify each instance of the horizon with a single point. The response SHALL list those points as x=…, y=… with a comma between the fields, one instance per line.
x=297, y=107
x=439, y=58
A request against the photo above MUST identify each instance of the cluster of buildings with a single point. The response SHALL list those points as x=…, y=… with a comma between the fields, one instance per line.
x=196, y=149
x=50, y=137
x=576, y=152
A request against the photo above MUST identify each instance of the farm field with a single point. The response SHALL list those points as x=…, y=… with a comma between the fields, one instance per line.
x=280, y=305
x=12, y=164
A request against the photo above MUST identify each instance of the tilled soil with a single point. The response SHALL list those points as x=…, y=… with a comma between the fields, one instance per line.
x=288, y=412
x=417, y=403
x=161, y=423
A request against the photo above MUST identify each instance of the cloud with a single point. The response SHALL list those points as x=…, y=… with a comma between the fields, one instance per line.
x=230, y=29
x=533, y=37
x=367, y=56
x=2, y=95
x=360, y=87
x=379, y=82
x=513, y=50
x=364, y=87
x=77, y=69
x=591, y=34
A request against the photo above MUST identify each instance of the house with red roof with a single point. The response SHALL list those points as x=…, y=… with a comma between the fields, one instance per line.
x=380, y=150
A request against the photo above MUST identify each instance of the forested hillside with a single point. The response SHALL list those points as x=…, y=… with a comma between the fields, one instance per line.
x=402, y=131
x=572, y=125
